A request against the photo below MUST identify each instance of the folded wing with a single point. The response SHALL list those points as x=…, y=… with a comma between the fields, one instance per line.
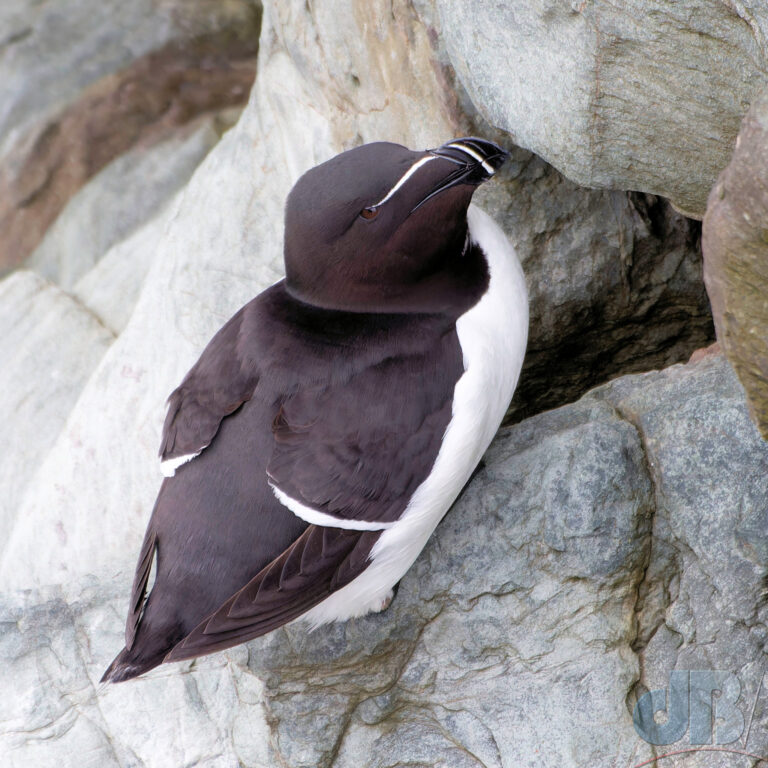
x=217, y=385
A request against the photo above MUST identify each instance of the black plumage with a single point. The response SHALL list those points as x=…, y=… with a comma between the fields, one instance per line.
x=334, y=385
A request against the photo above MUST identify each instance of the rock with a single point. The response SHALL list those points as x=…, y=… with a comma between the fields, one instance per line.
x=625, y=95
x=736, y=259
x=112, y=287
x=115, y=202
x=132, y=74
x=49, y=346
x=700, y=354
x=52, y=53
x=56, y=720
x=701, y=604
x=599, y=548
x=615, y=282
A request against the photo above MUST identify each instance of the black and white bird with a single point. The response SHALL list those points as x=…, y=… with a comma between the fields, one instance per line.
x=330, y=424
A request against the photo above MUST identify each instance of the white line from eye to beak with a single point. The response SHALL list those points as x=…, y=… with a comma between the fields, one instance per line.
x=407, y=175
x=472, y=153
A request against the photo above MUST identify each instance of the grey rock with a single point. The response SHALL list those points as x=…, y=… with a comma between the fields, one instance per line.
x=628, y=95
x=83, y=83
x=55, y=714
x=615, y=281
x=115, y=202
x=49, y=346
x=112, y=287
x=736, y=267
x=702, y=604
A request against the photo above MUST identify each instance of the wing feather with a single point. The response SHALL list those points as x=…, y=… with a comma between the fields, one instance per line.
x=215, y=387
x=318, y=563
x=357, y=449
x=139, y=588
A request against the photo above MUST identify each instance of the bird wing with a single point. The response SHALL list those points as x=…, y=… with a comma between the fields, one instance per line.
x=216, y=386
x=352, y=453
x=318, y=563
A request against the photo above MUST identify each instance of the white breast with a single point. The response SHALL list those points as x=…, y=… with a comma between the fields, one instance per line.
x=493, y=336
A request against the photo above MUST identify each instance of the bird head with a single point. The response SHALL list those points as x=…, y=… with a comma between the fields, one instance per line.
x=372, y=228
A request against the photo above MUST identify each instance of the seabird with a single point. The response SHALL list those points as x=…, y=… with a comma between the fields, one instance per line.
x=330, y=424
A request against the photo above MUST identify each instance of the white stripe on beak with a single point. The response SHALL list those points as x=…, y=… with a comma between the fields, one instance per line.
x=472, y=153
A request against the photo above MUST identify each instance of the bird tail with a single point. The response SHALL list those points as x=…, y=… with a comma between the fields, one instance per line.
x=128, y=664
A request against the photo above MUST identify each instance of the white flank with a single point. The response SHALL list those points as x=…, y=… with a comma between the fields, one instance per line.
x=471, y=152
x=169, y=466
x=493, y=336
x=315, y=517
x=407, y=175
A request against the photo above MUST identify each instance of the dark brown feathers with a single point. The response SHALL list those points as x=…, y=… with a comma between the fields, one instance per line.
x=139, y=589
x=216, y=386
x=352, y=438
x=321, y=561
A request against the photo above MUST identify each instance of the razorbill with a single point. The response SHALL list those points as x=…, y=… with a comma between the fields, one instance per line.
x=330, y=424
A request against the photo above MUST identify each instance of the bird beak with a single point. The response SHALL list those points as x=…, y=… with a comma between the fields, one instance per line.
x=475, y=160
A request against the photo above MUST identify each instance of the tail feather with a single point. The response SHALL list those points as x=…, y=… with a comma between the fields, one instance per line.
x=157, y=634
x=126, y=665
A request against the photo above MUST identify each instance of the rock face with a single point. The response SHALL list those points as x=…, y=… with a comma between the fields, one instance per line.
x=614, y=280
x=115, y=202
x=628, y=95
x=736, y=271
x=598, y=549
x=52, y=53
x=605, y=543
x=117, y=91
x=49, y=346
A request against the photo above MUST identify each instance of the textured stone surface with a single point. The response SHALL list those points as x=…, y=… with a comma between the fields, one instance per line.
x=615, y=281
x=598, y=549
x=637, y=94
x=701, y=604
x=736, y=264
x=54, y=716
x=112, y=287
x=57, y=131
x=52, y=51
x=49, y=346
x=115, y=202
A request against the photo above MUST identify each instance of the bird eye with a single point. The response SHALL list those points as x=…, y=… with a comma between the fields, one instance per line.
x=369, y=213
